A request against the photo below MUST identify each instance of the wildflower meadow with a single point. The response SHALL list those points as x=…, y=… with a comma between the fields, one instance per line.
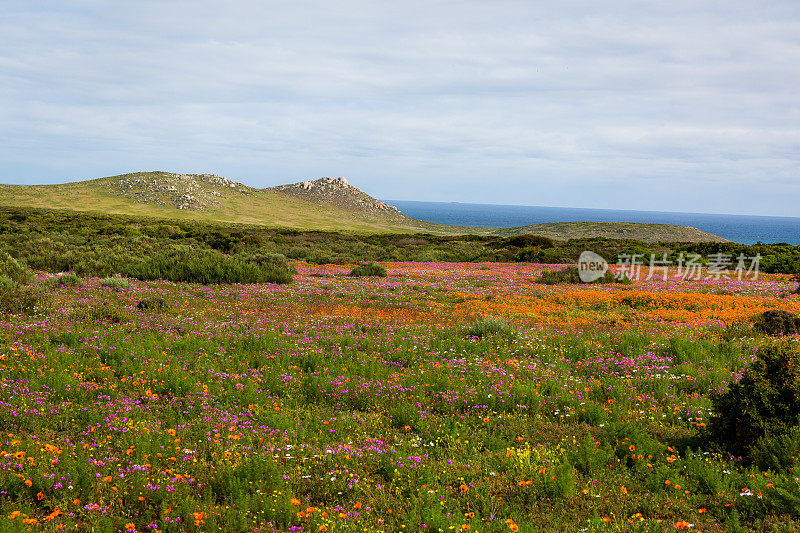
x=440, y=397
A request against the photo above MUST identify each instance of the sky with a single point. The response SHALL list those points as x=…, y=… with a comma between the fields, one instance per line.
x=688, y=105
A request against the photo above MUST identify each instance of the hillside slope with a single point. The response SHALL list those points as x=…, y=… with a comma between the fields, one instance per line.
x=322, y=204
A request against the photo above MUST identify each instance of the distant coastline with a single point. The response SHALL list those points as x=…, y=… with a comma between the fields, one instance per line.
x=746, y=229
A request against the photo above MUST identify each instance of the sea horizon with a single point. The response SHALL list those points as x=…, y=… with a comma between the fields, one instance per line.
x=745, y=229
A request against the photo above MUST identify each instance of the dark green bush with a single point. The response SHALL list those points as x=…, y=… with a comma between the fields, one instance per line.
x=369, y=269
x=522, y=241
x=207, y=266
x=570, y=275
x=762, y=407
x=776, y=322
x=154, y=303
x=565, y=275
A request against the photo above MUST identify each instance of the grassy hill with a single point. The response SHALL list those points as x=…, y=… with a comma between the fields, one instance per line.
x=323, y=204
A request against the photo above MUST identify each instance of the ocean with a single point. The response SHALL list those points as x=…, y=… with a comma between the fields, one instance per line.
x=745, y=229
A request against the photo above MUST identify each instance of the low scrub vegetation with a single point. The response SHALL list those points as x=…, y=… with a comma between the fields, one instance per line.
x=369, y=269
x=152, y=304
x=571, y=275
x=777, y=323
x=487, y=326
x=104, y=245
x=115, y=282
x=757, y=418
x=209, y=266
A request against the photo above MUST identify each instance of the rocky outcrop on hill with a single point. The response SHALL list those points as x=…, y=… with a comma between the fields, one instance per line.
x=338, y=192
x=181, y=191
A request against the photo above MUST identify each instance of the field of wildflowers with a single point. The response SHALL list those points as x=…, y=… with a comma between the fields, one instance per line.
x=341, y=403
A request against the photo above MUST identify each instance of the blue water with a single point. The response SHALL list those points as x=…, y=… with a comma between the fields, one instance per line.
x=744, y=229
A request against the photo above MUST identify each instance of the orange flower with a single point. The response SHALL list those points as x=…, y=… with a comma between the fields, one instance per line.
x=28, y=482
x=357, y=505
x=40, y=496
x=295, y=501
x=632, y=447
x=463, y=488
x=623, y=490
x=76, y=501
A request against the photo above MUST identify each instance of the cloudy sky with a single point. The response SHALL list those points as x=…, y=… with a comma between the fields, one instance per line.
x=687, y=105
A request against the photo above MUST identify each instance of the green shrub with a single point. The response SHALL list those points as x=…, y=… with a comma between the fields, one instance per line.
x=11, y=268
x=67, y=280
x=369, y=269
x=21, y=299
x=154, y=303
x=115, y=282
x=487, y=326
x=763, y=406
x=523, y=241
x=207, y=266
x=777, y=322
x=6, y=282
x=272, y=260
x=103, y=312
x=565, y=275
x=570, y=275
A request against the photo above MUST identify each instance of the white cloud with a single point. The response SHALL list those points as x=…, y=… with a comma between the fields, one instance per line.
x=505, y=101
